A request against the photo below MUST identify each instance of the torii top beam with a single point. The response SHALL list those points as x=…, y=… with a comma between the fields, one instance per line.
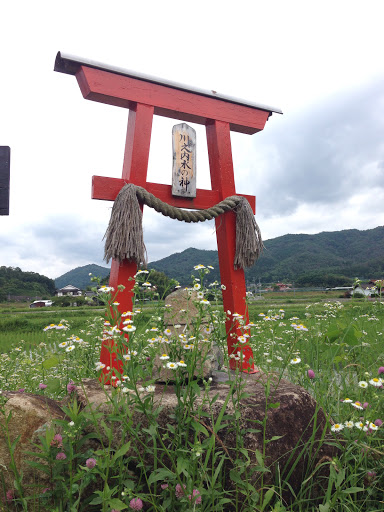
x=170, y=99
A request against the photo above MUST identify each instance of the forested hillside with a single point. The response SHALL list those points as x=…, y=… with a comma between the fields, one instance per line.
x=325, y=259
x=13, y=281
x=80, y=277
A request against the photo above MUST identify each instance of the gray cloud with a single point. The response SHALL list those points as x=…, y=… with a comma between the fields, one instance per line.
x=322, y=156
x=53, y=246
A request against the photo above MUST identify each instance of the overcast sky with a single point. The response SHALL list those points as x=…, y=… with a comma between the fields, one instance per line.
x=318, y=167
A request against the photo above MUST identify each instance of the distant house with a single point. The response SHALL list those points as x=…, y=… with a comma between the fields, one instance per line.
x=41, y=303
x=69, y=290
x=283, y=287
x=368, y=290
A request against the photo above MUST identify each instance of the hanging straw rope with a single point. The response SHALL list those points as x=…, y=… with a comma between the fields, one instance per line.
x=124, y=235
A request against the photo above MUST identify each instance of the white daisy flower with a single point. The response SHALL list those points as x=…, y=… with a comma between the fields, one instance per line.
x=347, y=401
x=349, y=424
x=357, y=405
x=295, y=360
x=172, y=366
x=164, y=357
x=129, y=328
x=181, y=363
x=360, y=425
x=363, y=384
x=337, y=427
x=70, y=348
x=106, y=289
x=376, y=382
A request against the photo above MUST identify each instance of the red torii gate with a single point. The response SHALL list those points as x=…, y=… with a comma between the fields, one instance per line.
x=145, y=96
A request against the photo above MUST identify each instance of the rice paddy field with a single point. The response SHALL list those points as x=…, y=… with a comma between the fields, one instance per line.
x=334, y=348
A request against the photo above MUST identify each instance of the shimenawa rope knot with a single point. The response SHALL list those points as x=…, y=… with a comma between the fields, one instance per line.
x=124, y=235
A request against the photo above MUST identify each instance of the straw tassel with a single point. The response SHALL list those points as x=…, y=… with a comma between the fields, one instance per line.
x=249, y=243
x=124, y=235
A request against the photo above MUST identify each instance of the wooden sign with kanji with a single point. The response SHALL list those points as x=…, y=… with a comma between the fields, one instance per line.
x=144, y=97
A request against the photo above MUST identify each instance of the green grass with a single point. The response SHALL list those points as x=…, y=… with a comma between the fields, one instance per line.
x=342, y=343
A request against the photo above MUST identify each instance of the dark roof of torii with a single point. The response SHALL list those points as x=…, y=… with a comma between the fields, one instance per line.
x=70, y=64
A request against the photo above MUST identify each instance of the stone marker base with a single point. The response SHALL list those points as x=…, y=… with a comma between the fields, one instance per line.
x=290, y=421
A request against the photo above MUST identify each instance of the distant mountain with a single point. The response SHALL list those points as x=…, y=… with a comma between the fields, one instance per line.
x=80, y=277
x=324, y=259
x=15, y=282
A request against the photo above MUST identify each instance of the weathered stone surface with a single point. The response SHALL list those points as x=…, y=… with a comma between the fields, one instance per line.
x=182, y=316
x=31, y=414
x=181, y=310
x=290, y=420
x=205, y=363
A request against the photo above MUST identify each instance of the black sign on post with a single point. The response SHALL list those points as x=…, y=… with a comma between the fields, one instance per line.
x=5, y=164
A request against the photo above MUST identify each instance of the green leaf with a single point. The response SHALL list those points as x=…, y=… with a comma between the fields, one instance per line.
x=273, y=406
x=121, y=452
x=259, y=458
x=352, y=490
x=340, y=478
x=51, y=362
x=117, y=504
x=75, y=488
x=199, y=428
x=274, y=438
x=160, y=474
x=53, y=384
x=97, y=501
x=267, y=498
x=13, y=446
x=324, y=508
x=182, y=466
x=235, y=476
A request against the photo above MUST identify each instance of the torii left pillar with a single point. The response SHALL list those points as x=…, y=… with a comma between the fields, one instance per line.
x=145, y=96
